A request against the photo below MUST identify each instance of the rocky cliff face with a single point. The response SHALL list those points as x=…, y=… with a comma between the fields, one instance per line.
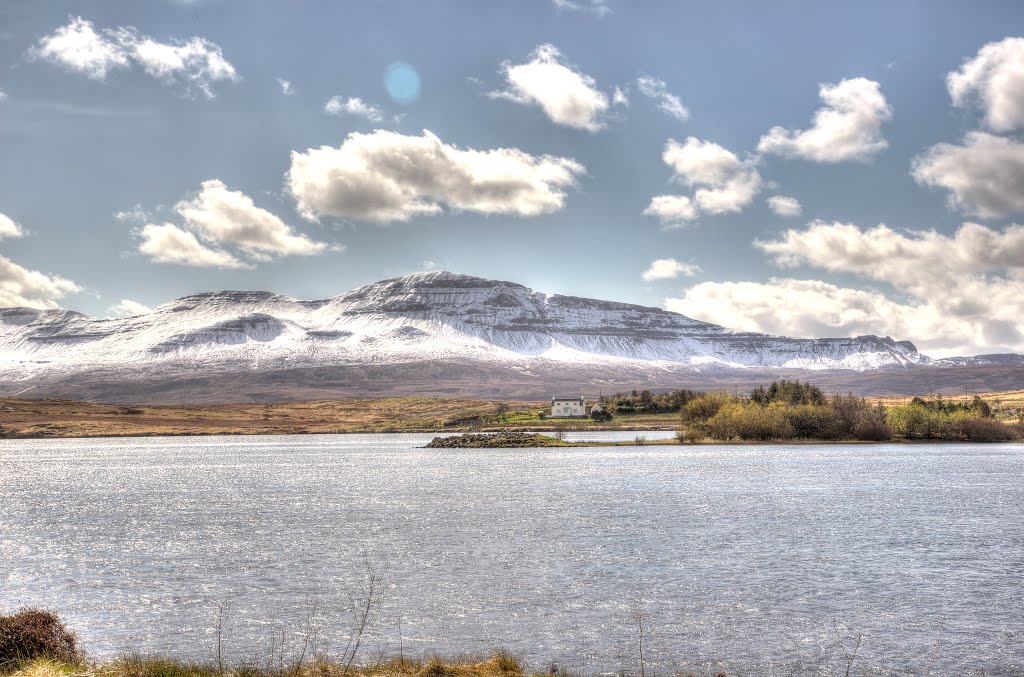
x=424, y=317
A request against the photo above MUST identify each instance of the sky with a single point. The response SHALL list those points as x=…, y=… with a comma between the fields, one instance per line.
x=797, y=168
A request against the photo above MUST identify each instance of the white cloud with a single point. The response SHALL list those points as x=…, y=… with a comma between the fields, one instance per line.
x=8, y=228
x=353, y=106
x=128, y=308
x=167, y=243
x=3, y=96
x=231, y=218
x=21, y=287
x=925, y=263
x=194, y=64
x=135, y=214
x=79, y=48
x=848, y=127
x=385, y=176
x=567, y=97
x=994, y=78
x=724, y=183
x=983, y=175
x=784, y=205
x=951, y=294
x=699, y=162
x=286, y=86
x=667, y=269
x=674, y=211
x=667, y=101
x=788, y=307
x=620, y=96
x=598, y=8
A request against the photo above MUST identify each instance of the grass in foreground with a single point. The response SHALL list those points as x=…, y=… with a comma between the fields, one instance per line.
x=500, y=664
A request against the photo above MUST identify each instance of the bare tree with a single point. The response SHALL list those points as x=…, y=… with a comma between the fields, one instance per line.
x=366, y=605
x=638, y=617
x=222, y=610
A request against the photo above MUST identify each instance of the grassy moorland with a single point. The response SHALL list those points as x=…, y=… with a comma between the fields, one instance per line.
x=784, y=410
x=69, y=418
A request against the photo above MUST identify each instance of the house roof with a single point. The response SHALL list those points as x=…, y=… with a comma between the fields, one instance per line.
x=575, y=398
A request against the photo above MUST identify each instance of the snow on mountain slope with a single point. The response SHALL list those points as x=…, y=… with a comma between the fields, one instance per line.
x=427, y=316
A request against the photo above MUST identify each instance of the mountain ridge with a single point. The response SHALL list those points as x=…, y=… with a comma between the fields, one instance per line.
x=487, y=331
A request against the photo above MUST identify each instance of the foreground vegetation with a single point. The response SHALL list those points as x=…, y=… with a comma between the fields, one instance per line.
x=36, y=643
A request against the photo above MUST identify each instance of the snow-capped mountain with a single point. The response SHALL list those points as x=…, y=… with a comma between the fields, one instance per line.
x=457, y=324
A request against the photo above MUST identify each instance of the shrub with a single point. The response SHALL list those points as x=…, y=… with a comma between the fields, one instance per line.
x=788, y=392
x=813, y=421
x=870, y=425
x=35, y=633
x=981, y=429
x=704, y=407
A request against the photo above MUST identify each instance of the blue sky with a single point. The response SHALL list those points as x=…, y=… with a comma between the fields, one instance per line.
x=792, y=167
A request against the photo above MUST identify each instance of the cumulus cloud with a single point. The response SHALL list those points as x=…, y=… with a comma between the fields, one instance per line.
x=847, y=127
x=195, y=64
x=336, y=105
x=128, y=308
x=983, y=174
x=79, y=48
x=674, y=211
x=783, y=205
x=567, y=97
x=385, y=176
x=22, y=287
x=667, y=269
x=8, y=228
x=231, y=218
x=925, y=262
x=723, y=182
x=788, y=307
x=951, y=294
x=286, y=86
x=598, y=8
x=994, y=79
x=167, y=243
x=668, y=102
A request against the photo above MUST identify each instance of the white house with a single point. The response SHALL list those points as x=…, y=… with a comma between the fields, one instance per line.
x=568, y=407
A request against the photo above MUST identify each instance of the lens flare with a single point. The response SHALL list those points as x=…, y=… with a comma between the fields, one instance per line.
x=402, y=82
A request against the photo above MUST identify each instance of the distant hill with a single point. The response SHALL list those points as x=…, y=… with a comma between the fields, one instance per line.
x=440, y=334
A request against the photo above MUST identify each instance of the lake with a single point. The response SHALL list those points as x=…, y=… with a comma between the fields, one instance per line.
x=765, y=560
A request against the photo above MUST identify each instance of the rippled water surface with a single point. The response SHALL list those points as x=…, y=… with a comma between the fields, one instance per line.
x=754, y=559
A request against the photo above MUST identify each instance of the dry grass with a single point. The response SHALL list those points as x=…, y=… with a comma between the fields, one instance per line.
x=500, y=664
x=1004, y=404
x=69, y=418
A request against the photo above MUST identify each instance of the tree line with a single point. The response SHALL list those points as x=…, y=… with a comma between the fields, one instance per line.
x=794, y=410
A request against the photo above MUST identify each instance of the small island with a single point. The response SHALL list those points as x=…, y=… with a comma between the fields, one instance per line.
x=499, y=440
